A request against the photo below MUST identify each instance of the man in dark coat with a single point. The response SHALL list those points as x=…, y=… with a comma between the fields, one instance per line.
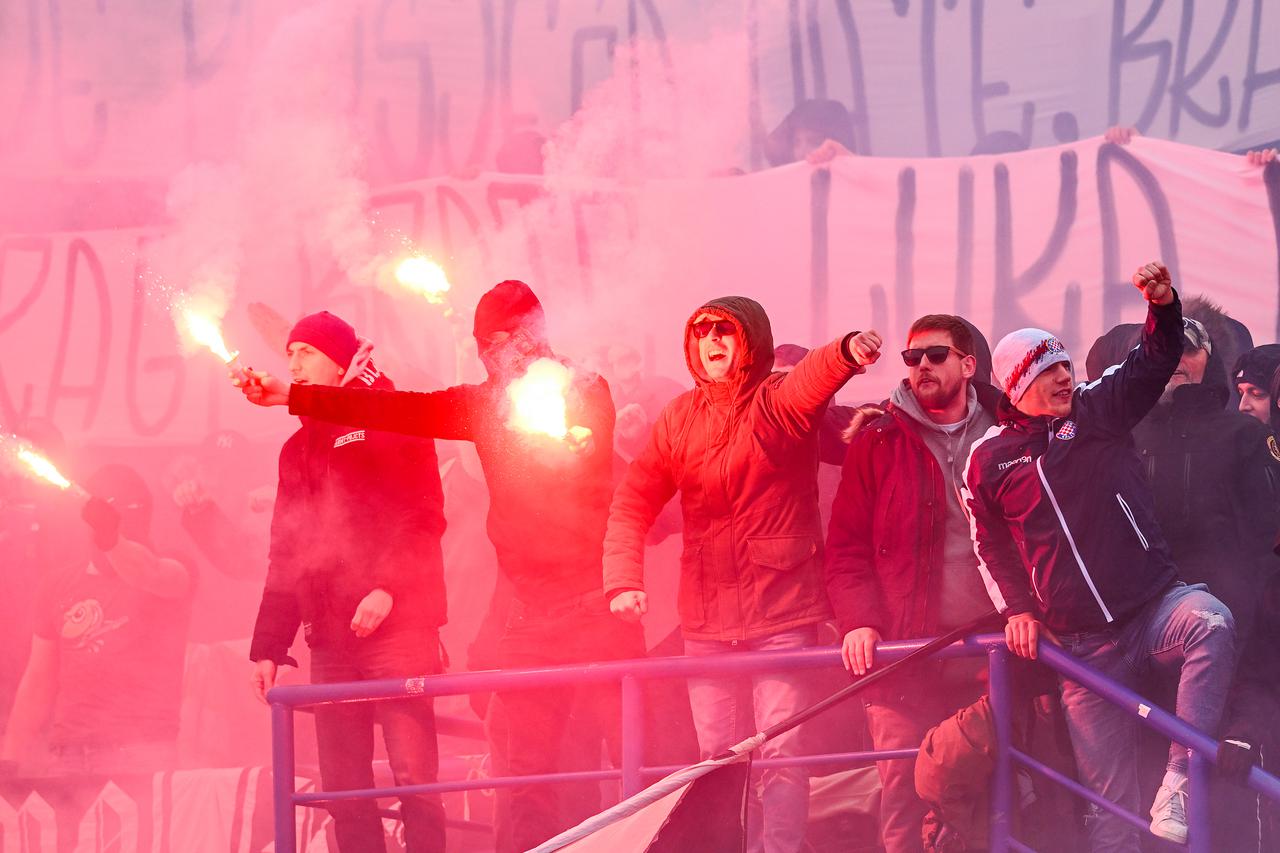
x=900, y=563
x=1065, y=532
x=548, y=503
x=741, y=448
x=355, y=559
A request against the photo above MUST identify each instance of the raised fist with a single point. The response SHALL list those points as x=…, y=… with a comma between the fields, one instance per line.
x=1154, y=282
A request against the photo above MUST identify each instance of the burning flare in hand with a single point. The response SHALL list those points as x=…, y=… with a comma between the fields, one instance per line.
x=538, y=405
x=423, y=276
x=204, y=331
x=43, y=468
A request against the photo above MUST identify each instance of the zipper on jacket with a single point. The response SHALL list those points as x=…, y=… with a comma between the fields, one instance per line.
x=1128, y=513
x=1071, y=540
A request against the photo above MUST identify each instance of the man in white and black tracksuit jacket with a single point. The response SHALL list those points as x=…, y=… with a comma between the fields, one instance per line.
x=1065, y=531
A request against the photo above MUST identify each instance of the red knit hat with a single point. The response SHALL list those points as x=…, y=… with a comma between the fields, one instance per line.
x=328, y=333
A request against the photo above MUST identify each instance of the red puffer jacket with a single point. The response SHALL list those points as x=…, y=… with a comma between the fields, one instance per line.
x=743, y=454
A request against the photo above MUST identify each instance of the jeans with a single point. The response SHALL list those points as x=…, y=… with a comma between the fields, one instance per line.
x=1185, y=632
x=344, y=736
x=579, y=630
x=726, y=711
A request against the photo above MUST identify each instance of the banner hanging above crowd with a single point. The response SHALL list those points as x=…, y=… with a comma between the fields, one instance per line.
x=1047, y=237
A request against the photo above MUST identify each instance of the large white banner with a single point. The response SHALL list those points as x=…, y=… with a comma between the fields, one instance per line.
x=131, y=88
x=1046, y=237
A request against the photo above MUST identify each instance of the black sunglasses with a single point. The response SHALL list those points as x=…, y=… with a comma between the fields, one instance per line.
x=936, y=355
x=724, y=328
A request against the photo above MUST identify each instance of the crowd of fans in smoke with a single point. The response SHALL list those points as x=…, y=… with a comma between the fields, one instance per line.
x=1130, y=519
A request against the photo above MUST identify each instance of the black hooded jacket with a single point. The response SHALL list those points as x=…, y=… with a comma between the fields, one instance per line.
x=356, y=510
x=1214, y=480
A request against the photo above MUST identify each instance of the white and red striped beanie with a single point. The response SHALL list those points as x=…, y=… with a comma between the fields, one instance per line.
x=1023, y=355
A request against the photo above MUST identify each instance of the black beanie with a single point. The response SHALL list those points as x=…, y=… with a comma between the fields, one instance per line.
x=328, y=333
x=1256, y=366
x=508, y=306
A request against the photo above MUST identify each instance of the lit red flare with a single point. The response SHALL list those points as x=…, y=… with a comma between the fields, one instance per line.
x=538, y=402
x=43, y=468
x=423, y=276
x=204, y=331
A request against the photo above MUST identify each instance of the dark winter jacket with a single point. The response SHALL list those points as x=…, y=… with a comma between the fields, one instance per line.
x=888, y=522
x=356, y=510
x=743, y=454
x=547, y=503
x=1214, y=481
x=1063, y=515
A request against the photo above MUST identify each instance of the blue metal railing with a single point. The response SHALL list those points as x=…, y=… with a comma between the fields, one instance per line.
x=630, y=673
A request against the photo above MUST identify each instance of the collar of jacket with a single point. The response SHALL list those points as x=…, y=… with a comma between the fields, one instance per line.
x=1009, y=415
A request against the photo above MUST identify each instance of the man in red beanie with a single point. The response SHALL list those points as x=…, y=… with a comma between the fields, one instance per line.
x=355, y=559
x=548, y=504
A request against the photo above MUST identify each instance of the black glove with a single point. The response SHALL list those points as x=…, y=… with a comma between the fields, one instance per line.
x=104, y=520
x=1236, y=758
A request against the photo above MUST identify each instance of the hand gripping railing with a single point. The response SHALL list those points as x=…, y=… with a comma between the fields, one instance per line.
x=285, y=699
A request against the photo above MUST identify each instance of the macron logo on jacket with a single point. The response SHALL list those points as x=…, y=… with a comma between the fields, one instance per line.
x=1021, y=460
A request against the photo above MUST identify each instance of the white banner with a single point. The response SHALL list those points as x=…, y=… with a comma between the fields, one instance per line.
x=131, y=88
x=1046, y=237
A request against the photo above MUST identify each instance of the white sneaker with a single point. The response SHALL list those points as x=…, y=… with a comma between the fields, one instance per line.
x=1169, y=814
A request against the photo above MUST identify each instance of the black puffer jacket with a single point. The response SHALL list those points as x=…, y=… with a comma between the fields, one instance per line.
x=1214, y=481
x=356, y=510
x=1063, y=515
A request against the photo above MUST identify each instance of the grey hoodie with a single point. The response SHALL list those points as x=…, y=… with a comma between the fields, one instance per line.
x=961, y=592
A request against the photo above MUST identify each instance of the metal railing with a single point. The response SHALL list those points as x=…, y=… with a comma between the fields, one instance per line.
x=285, y=699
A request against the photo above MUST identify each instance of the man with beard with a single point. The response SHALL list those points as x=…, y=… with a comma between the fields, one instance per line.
x=742, y=450
x=548, y=503
x=915, y=573
x=355, y=559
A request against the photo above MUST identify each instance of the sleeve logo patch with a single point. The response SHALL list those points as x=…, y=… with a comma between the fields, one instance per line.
x=1067, y=431
x=1275, y=450
x=358, y=435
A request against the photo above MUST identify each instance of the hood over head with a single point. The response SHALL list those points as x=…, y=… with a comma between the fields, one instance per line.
x=755, y=341
x=126, y=491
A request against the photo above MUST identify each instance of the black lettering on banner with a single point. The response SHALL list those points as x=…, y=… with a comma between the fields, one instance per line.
x=419, y=53
x=857, y=78
x=879, y=307
x=1253, y=78
x=200, y=68
x=819, y=253
x=79, y=249
x=1010, y=287
x=981, y=91
x=448, y=198
x=173, y=363
x=1114, y=293
x=905, y=242
x=481, y=137
x=1184, y=81
x=580, y=204
x=964, y=241
x=1271, y=180
x=1127, y=47
x=27, y=101
x=577, y=62
x=1072, y=326
x=85, y=153
x=9, y=412
x=928, y=68
x=755, y=113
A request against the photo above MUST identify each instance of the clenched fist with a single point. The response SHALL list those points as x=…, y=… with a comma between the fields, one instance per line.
x=864, y=347
x=1154, y=282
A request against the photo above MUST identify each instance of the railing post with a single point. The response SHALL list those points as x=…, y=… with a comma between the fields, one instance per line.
x=632, y=735
x=1198, y=819
x=1001, y=687
x=282, y=777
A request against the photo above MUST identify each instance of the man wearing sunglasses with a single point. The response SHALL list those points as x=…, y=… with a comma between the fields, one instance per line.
x=742, y=450
x=900, y=563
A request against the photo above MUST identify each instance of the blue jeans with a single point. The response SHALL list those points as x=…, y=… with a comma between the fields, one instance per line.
x=344, y=736
x=726, y=711
x=1185, y=632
